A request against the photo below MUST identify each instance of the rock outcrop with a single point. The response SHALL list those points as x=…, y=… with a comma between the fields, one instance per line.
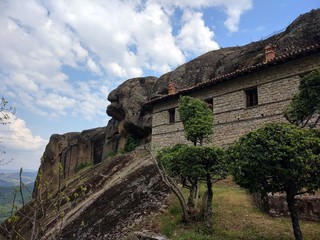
x=69, y=152
x=129, y=118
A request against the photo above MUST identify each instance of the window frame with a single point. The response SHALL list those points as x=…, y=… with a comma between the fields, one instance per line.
x=171, y=115
x=251, y=97
x=209, y=102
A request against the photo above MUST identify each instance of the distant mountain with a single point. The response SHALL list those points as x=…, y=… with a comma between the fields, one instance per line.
x=9, y=186
x=7, y=195
x=13, y=179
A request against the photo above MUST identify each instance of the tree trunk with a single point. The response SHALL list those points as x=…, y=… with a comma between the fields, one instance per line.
x=20, y=189
x=208, y=210
x=197, y=194
x=174, y=188
x=291, y=201
x=192, y=194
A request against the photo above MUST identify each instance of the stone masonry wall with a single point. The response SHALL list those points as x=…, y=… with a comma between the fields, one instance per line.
x=276, y=86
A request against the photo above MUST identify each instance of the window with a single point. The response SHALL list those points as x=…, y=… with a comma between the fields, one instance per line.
x=252, y=97
x=172, y=115
x=209, y=101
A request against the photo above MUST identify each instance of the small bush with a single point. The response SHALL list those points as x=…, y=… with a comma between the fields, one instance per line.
x=132, y=143
x=111, y=154
x=82, y=166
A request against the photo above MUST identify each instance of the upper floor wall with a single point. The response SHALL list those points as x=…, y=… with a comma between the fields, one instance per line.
x=239, y=105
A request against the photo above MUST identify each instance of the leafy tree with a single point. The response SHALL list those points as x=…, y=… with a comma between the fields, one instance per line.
x=195, y=163
x=5, y=112
x=305, y=105
x=197, y=119
x=278, y=158
x=172, y=158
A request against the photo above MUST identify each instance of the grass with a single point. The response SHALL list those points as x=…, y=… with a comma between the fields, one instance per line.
x=234, y=217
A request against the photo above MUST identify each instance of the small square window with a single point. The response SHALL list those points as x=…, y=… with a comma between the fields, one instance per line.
x=251, y=97
x=172, y=115
x=209, y=102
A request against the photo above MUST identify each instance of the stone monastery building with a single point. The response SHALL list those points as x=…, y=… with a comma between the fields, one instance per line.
x=241, y=101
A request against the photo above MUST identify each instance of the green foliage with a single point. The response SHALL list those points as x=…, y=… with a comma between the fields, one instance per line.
x=306, y=102
x=13, y=219
x=196, y=117
x=131, y=144
x=275, y=157
x=191, y=162
x=110, y=154
x=5, y=110
x=83, y=165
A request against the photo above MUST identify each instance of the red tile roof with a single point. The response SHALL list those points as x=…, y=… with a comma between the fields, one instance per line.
x=254, y=68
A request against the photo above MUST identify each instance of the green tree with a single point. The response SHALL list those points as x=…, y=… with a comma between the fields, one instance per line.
x=197, y=119
x=305, y=105
x=5, y=113
x=278, y=158
x=192, y=164
x=195, y=163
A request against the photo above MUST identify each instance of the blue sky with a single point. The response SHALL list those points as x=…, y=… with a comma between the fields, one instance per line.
x=60, y=59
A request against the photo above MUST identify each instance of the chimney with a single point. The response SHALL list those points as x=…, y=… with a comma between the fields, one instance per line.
x=269, y=52
x=172, y=88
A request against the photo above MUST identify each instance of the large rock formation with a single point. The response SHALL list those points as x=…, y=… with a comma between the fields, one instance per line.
x=70, y=152
x=129, y=118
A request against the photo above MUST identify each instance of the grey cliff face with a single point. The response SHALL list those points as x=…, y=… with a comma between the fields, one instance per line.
x=70, y=150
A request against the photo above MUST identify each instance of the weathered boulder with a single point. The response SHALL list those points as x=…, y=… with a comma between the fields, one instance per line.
x=125, y=107
x=126, y=104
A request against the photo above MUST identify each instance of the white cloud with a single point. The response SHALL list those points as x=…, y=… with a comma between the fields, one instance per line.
x=17, y=135
x=57, y=103
x=22, y=148
x=194, y=36
x=93, y=66
x=112, y=40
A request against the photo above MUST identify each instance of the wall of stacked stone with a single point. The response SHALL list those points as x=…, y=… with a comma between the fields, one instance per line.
x=276, y=86
x=308, y=206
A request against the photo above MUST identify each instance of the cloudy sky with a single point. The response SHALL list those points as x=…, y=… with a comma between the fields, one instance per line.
x=60, y=59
